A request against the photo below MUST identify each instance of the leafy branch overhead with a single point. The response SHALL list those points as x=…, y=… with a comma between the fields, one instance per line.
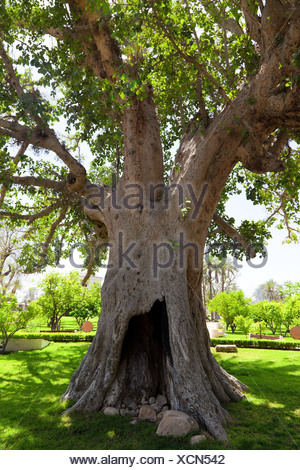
x=224, y=80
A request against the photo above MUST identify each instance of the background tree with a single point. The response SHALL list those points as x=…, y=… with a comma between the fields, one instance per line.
x=64, y=295
x=243, y=323
x=88, y=306
x=219, y=78
x=230, y=305
x=271, y=313
x=12, y=319
x=291, y=313
x=218, y=276
x=270, y=290
x=290, y=289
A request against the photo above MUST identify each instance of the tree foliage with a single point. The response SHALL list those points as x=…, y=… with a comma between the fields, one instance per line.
x=230, y=305
x=291, y=312
x=196, y=56
x=269, y=312
x=63, y=295
x=12, y=318
x=243, y=323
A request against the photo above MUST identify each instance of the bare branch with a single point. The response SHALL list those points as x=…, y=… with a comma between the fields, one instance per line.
x=31, y=217
x=283, y=197
x=53, y=229
x=231, y=232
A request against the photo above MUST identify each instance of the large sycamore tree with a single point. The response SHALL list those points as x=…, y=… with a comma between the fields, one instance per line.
x=131, y=81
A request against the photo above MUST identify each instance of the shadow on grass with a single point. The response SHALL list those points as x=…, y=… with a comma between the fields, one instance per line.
x=31, y=412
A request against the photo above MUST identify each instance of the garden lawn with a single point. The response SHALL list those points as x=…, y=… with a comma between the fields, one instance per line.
x=33, y=381
x=67, y=323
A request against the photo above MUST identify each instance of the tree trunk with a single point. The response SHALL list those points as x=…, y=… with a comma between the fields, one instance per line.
x=152, y=336
x=4, y=345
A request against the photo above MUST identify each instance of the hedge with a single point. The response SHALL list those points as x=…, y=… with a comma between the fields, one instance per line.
x=257, y=343
x=87, y=337
x=57, y=337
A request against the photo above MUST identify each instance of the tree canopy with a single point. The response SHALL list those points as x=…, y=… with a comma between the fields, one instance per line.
x=68, y=71
x=230, y=305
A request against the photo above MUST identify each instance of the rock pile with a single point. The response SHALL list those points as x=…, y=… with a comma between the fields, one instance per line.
x=148, y=410
x=157, y=410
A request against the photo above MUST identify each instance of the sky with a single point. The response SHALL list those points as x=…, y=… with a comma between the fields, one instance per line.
x=283, y=258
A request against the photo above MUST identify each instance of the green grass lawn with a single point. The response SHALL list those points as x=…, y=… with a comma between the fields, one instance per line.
x=33, y=381
x=67, y=323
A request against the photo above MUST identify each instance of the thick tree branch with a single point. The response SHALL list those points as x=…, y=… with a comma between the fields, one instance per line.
x=252, y=22
x=203, y=71
x=108, y=48
x=44, y=138
x=269, y=158
x=53, y=228
x=199, y=94
x=91, y=263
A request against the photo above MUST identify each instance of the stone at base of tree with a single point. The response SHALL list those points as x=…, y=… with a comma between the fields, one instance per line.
x=156, y=408
x=147, y=412
x=151, y=400
x=132, y=406
x=127, y=412
x=111, y=411
x=159, y=416
x=176, y=423
x=226, y=348
x=161, y=400
x=196, y=439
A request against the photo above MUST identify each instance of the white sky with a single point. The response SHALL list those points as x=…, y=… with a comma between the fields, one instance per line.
x=283, y=259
